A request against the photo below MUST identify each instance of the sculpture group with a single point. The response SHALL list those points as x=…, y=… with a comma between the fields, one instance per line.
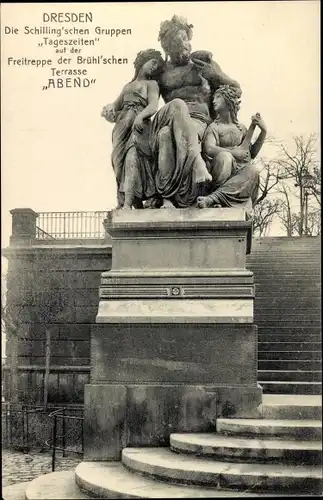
x=193, y=152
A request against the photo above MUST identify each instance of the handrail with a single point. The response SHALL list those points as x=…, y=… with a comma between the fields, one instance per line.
x=52, y=443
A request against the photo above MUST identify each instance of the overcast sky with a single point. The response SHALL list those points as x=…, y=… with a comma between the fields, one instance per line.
x=55, y=145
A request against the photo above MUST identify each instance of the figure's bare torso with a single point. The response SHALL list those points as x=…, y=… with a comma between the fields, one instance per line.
x=184, y=82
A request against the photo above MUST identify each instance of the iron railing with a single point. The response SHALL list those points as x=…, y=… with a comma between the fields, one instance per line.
x=31, y=427
x=67, y=432
x=23, y=426
x=70, y=225
x=42, y=235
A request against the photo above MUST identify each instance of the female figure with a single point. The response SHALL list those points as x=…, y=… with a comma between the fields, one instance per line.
x=131, y=112
x=228, y=150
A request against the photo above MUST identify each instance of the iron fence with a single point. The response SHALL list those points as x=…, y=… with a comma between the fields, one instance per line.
x=27, y=427
x=70, y=225
x=67, y=432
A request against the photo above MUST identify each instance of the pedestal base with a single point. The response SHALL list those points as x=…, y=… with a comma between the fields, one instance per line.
x=174, y=346
x=118, y=415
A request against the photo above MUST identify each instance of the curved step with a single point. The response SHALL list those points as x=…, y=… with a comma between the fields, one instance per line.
x=113, y=480
x=297, y=429
x=164, y=464
x=247, y=449
x=15, y=491
x=55, y=486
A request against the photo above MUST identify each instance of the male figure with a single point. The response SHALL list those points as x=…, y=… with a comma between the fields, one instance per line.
x=186, y=86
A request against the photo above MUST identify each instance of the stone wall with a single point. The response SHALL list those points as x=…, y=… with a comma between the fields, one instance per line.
x=55, y=288
x=64, y=280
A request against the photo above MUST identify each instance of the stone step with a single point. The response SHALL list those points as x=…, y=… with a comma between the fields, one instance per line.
x=288, y=325
x=291, y=406
x=281, y=387
x=264, y=295
x=305, y=330
x=288, y=364
x=268, y=256
x=14, y=491
x=289, y=355
x=295, y=429
x=265, y=335
x=164, y=464
x=285, y=266
x=289, y=346
x=55, y=486
x=247, y=449
x=274, y=272
x=296, y=249
x=289, y=376
x=288, y=321
x=289, y=303
x=287, y=284
x=282, y=312
x=113, y=480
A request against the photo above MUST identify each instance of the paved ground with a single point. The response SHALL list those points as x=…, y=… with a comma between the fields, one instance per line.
x=19, y=467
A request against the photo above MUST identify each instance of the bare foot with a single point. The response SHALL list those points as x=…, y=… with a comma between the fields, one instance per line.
x=167, y=204
x=126, y=207
x=204, y=202
x=201, y=172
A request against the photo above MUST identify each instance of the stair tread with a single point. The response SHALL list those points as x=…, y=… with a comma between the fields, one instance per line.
x=261, y=422
x=58, y=485
x=113, y=476
x=218, y=440
x=163, y=457
x=291, y=371
x=287, y=382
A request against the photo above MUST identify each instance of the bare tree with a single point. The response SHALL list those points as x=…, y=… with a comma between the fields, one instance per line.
x=315, y=188
x=268, y=204
x=299, y=166
x=264, y=214
x=286, y=215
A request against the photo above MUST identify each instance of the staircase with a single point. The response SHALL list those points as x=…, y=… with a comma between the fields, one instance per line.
x=277, y=455
x=287, y=312
x=274, y=456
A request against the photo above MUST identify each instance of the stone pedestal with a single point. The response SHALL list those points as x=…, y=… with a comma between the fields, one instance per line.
x=23, y=226
x=174, y=345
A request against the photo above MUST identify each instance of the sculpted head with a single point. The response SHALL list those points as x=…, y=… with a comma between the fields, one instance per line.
x=149, y=63
x=174, y=37
x=227, y=98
